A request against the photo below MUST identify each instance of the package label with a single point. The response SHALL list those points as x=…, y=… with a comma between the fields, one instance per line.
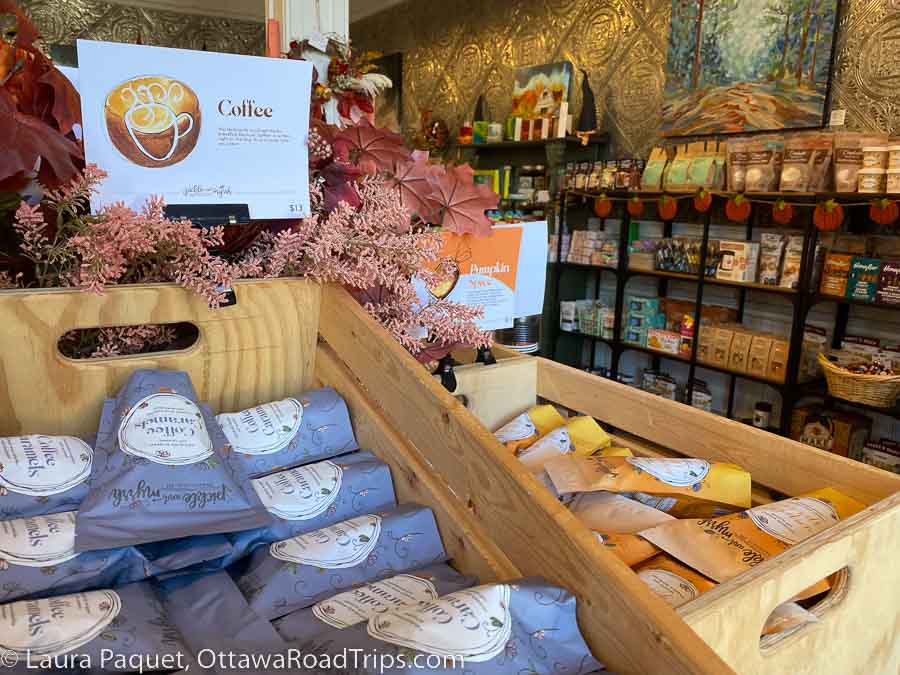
x=263, y=429
x=300, y=493
x=40, y=466
x=40, y=541
x=675, y=590
x=167, y=429
x=516, y=430
x=794, y=520
x=675, y=472
x=361, y=604
x=339, y=546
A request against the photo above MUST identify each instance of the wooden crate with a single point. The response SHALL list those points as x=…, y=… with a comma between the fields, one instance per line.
x=276, y=342
x=857, y=631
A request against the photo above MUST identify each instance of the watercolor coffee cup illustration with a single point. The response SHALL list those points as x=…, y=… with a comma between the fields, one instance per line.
x=154, y=121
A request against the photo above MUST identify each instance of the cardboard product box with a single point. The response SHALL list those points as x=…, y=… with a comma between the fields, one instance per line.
x=836, y=274
x=663, y=340
x=790, y=266
x=740, y=351
x=722, y=346
x=567, y=316
x=707, y=343
x=888, y=292
x=760, y=349
x=884, y=454
x=815, y=340
x=844, y=434
x=636, y=336
x=642, y=306
x=778, y=360
x=863, y=281
x=739, y=261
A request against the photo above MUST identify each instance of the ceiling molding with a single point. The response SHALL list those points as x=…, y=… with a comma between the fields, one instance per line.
x=248, y=10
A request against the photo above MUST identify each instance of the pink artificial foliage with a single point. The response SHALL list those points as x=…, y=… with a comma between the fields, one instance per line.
x=460, y=202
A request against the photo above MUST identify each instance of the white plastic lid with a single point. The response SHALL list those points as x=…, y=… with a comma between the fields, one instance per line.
x=875, y=148
x=872, y=172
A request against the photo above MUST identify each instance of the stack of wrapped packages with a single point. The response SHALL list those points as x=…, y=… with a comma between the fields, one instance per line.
x=683, y=525
x=253, y=541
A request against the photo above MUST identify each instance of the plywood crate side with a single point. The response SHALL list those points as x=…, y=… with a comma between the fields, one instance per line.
x=497, y=393
x=628, y=628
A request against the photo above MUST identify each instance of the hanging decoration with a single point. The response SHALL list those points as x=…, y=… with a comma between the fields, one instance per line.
x=737, y=209
x=884, y=211
x=602, y=206
x=635, y=207
x=667, y=208
x=782, y=212
x=828, y=216
x=703, y=201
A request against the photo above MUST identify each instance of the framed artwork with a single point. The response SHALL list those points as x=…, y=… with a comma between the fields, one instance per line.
x=539, y=90
x=748, y=65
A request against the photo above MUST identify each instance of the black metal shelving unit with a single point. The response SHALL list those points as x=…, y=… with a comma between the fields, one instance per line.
x=802, y=300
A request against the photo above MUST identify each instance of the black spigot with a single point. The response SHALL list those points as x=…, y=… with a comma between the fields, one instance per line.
x=485, y=356
x=445, y=370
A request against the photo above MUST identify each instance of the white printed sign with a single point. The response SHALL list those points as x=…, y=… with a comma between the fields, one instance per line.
x=300, y=493
x=474, y=624
x=43, y=465
x=263, y=429
x=186, y=125
x=40, y=541
x=361, y=604
x=346, y=544
x=166, y=429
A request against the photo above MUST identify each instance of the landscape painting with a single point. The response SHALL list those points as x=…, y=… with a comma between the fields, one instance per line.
x=539, y=90
x=747, y=65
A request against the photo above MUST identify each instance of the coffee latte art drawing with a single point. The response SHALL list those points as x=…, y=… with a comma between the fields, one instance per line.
x=154, y=121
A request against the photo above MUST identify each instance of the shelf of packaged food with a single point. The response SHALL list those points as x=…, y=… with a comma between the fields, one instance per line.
x=597, y=139
x=819, y=389
x=609, y=343
x=712, y=281
x=581, y=266
x=822, y=297
x=773, y=196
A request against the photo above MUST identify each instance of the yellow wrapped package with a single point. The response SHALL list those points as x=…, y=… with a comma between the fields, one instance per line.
x=581, y=436
x=528, y=427
x=672, y=581
x=615, y=452
x=631, y=549
x=685, y=488
x=723, y=547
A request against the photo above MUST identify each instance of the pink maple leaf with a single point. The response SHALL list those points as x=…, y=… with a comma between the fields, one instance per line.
x=460, y=202
x=411, y=181
x=370, y=148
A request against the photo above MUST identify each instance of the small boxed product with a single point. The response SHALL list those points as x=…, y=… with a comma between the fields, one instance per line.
x=739, y=261
x=707, y=343
x=771, y=253
x=863, y=282
x=722, y=346
x=664, y=340
x=636, y=336
x=740, y=351
x=642, y=306
x=884, y=454
x=849, y=157
x=835, y=274
x=701, y=397
x=567, y=316
x=778, y=358
x=760, y=350
x=659, y=384
x=793, y=258
x=888, y=292
x=842, y=433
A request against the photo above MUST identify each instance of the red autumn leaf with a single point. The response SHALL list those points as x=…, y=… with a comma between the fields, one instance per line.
x=66, y=100
x=460, y=202
x=411, y=181
x=371, y=148
x=340, y=184
x=25, y=139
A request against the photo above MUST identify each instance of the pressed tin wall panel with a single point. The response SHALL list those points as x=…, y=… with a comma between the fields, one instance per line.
x=455, y=50
x=64, y=21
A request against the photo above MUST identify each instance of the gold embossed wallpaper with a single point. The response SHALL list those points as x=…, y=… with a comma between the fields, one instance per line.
x=455, y=50
x=61, y=22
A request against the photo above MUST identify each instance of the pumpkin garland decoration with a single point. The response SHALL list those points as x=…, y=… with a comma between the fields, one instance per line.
x=703, y=201
x=635, y=207
x=782, y=212
x=667, y=208
x=828, y=216
x=884, y=211
x=602, y=206
x=738, y=208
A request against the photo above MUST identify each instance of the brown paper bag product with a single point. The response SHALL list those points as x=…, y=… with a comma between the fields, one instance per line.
x=527, y=428
x=612, y=513
x=737, y=150
x=820, y=177
x=778, y=358
x=631, y=549
x=740, y=351
x=581, y=436
x=799, y=160
x=672, y=581
x=765, y=156
x=724, y=547
x=681, y=487
x=722, y=346
x=760, y=349
x=707, y=343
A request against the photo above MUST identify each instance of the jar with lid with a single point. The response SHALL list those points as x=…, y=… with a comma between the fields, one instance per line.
x=762, y=415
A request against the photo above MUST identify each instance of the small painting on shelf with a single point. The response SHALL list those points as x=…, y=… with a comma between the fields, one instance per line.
x=747, y=65
x=539, y=90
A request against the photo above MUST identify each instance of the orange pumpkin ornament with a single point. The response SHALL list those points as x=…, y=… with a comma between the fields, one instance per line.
x=884, y=211
x=738, y=209
x=702, y=201
x=828, y=216
x=635, y=207
x=667, y=208
x=602, y=206
x=782, y=212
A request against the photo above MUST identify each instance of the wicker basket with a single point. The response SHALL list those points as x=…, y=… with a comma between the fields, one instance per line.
x=879, y=391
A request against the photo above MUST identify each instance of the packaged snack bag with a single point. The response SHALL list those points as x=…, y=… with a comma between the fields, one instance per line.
x=723, y=547
x=298, y=572
x=764, y=158
x=614, y=452
x=631, y=549
x=738, y=151
x=280, y=434
x=681, y=487
x=799, y=162
x=524, y=430
x=613, y=513
x=97, y=631
x=654, y=170
x=161, y=470
x=43, y=474
x=672, y=581
x=525, y=626
x=581, y=436
x=360, y=604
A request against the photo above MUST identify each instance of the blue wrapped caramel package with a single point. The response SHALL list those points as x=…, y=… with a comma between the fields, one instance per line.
x=360, y=604
x=43, y=474
x=298, y=572
x=281, y=434
x=161, y=471
x=104, y=631
x=525, y=626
